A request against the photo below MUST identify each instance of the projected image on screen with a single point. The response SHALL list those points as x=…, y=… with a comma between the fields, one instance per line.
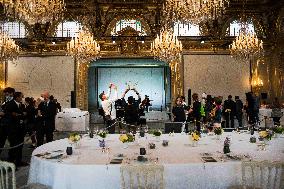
x=147, y=81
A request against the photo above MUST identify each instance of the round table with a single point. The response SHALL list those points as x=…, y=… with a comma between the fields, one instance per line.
x=89, y=167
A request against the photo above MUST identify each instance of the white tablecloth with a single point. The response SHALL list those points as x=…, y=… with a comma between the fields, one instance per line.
x=156, y=116
x=88, y=167
x=269, y=121
x=72, y=120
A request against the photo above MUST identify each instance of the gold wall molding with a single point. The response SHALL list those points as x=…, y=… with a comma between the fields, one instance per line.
x=82, y=85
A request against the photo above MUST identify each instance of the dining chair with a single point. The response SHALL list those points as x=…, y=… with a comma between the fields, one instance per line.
x=7, y=175
x=262, y=175
x=8, y=178
x=150, y=176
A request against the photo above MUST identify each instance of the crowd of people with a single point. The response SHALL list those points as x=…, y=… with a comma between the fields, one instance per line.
x=20, y=116
x=211, y=110
x=208, y=110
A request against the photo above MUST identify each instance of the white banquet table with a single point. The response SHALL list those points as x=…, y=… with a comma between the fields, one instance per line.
x=153, y=116
x=265, y=112
x=72, y=119
x=89, y=167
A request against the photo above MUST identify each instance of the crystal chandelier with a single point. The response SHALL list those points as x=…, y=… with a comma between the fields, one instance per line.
x=83, y=47
x=246, y=45
x=193, y=11
x=166, y=46
x=8, y=48
x=35, y=11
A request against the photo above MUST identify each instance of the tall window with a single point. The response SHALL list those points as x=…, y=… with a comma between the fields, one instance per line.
x=236, y=25
x=14, y=29
x=186, y=29
x=135, y=24
x=68, y=29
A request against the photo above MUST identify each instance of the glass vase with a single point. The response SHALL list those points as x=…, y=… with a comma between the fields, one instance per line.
x=125, y=145
x=218, y=137
x=194, y=143
x=158, y=138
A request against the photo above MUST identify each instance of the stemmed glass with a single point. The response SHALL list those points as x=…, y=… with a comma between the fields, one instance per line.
x=146, y=132
x=96, y=131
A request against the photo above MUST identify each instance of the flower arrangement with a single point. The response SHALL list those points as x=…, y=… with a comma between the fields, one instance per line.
x=267, y=134
x=218, y=130
x=157, y=133
x=278, y=129
x=102, y=134
x=126, y=138
x=195, y=136
x=74, y=137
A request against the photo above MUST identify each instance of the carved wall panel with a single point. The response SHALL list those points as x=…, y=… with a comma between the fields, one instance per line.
x=33, y=75
x=218, y=75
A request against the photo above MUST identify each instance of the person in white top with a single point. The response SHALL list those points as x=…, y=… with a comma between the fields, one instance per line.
x=108, y=106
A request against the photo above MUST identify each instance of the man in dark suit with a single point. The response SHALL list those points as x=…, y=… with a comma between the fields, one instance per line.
x=46, y=119
x=229, y=111
x=9, y=95
x=196, y=111
x=239, y=110
x=15, y=115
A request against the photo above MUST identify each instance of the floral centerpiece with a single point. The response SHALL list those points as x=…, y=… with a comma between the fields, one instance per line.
x=102, y=134
x=157, y=133
x=218, y=130
x=128, y=137
x=278, y=130
x=74, y=137
x=195, y=138
x=267, y=134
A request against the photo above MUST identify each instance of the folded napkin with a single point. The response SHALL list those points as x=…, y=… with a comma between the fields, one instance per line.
x=42, y=154
x=54, y=156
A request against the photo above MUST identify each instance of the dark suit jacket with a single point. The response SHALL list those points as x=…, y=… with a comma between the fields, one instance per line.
x=14, y=122
x=48, y=113
x=131, y=114
x=230, y=104
x=196, y=110
x=179, y=114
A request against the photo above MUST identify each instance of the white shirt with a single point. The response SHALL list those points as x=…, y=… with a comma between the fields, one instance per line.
x=108, y=104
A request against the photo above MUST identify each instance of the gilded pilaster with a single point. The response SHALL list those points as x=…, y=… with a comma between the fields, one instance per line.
x=82, y=85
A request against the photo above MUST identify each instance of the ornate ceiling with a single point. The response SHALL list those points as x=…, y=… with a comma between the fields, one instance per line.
x=100, y=16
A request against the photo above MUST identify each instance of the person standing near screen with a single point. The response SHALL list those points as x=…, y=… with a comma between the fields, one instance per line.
x=108, y=107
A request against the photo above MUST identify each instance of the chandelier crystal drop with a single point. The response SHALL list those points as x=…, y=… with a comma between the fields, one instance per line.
x=193, y=11
x=166, y=46
x=83, y=47
x=8, y=48
x=35, y=11
x=246, y=45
